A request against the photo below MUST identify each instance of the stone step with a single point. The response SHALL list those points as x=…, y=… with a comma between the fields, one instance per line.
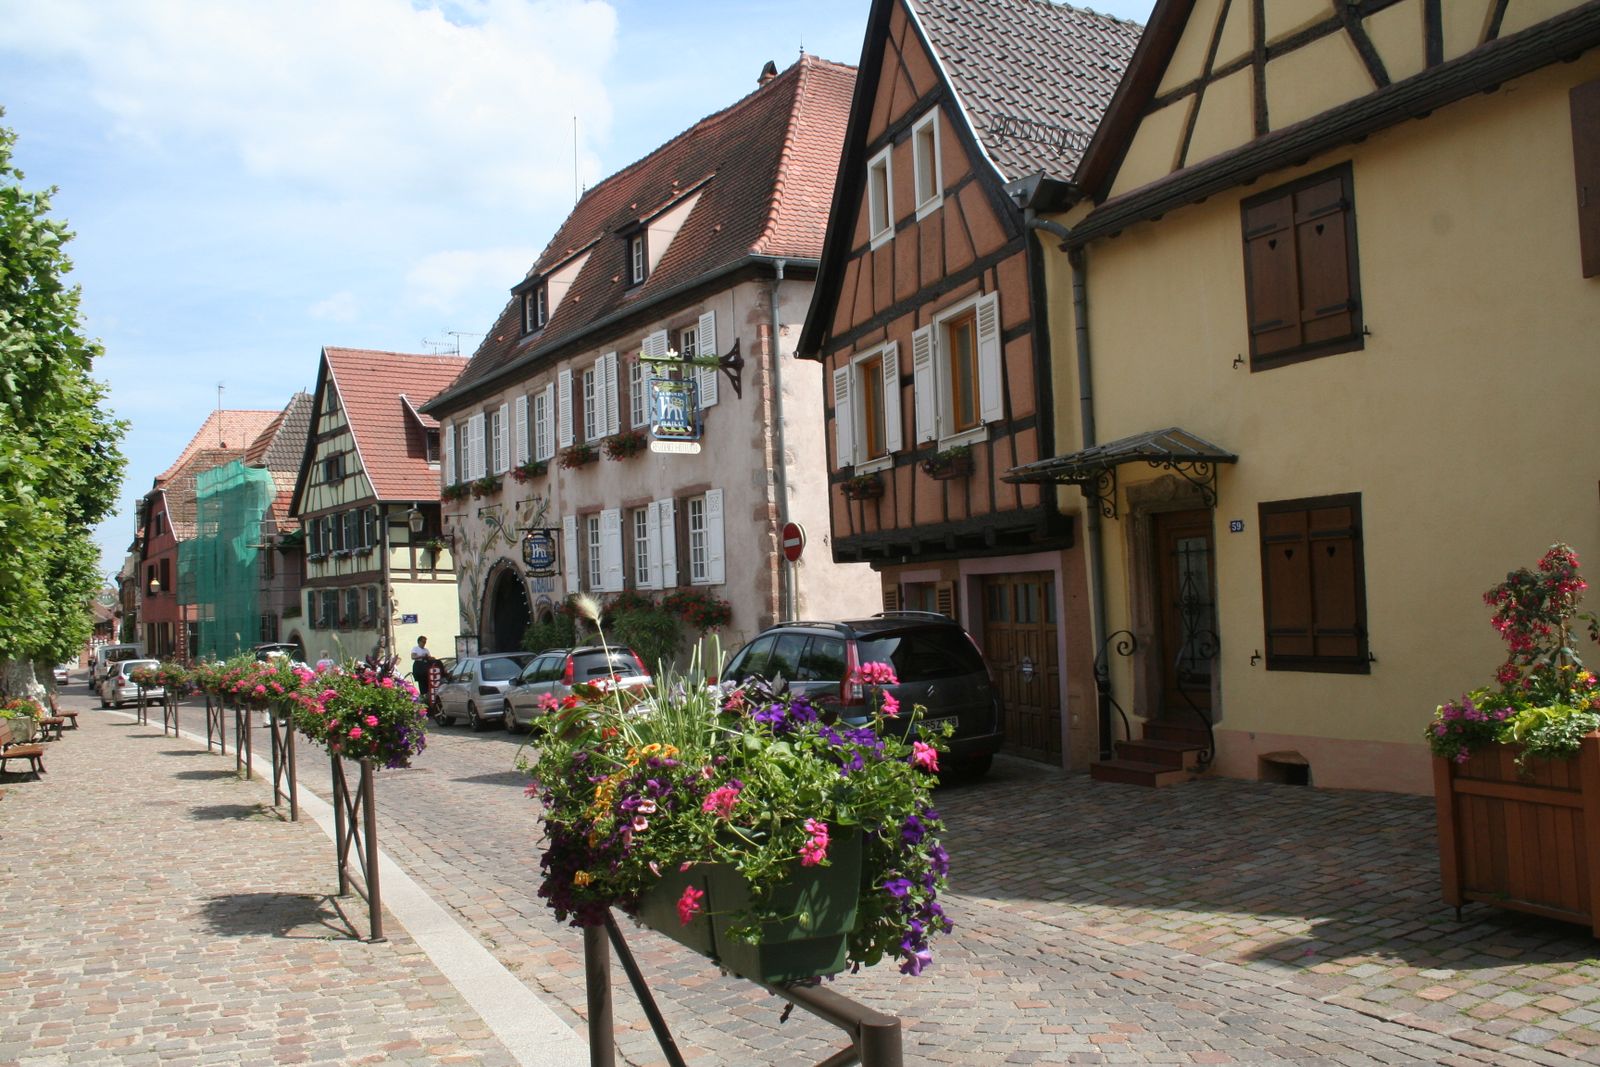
x=1170, y=729
x=1135, y=772
x=1163, y=753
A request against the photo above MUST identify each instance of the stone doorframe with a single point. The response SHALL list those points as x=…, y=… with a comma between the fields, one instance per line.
x=1145, y=500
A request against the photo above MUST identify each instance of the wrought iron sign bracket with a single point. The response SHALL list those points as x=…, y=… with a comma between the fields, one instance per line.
x=1200, y=473
x=1102, y=489
x=732, y=365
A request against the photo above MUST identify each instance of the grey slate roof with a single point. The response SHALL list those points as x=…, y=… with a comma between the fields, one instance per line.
x=1034, y=76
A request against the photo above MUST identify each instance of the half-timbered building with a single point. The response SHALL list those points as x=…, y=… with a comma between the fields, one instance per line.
x=378, y=566
x=167, y=618
x=1331, y=299
x=704, y=250
x=932, y=338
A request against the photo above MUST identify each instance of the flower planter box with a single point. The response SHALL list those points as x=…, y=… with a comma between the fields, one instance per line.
x=1527, y=841
x=818, y=905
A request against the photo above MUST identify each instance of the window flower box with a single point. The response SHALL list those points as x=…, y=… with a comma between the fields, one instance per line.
x=456, y=491
x=534, y=468
x=488, y=485
x=863, y=487
x=949, y=463
x=577, y=456
x=620, y=446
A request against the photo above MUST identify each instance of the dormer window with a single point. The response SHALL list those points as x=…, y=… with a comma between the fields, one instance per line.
x=638, y=265
x=535, y=308
x=333, y=469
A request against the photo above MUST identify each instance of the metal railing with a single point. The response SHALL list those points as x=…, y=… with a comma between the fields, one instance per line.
x=355, y=829
x=874, y=1036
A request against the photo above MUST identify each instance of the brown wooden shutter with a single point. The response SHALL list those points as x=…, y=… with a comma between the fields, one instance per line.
x=1314, y=584
x=1322, y=225
x=891, y=598
x=1286, y=567
x=1335, y=583
x=1585, y=100
x=944, y=599
x=1271, y=281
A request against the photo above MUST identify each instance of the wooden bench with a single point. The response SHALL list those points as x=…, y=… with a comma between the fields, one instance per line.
x=16, y=742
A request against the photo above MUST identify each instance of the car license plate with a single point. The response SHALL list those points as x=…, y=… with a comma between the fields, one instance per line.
x=934, y=726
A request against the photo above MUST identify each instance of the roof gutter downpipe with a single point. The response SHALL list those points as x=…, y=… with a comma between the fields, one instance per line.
x=1078, y=259
x=780, y=466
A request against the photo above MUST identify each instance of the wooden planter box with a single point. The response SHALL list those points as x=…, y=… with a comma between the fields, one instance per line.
x=819, y=904
x=1526, y=841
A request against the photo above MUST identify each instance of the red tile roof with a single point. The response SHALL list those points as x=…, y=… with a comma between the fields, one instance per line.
x=763, y=169
x=373, y=389
x=223, y=431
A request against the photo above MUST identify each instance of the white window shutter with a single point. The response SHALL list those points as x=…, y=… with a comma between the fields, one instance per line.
x=924, y=387
x=546, y=445
x=652, y=540
x=519, y=432
x=611, y=550
x=991, y=402
x=655, y=344
x=667, y=528
x=449, y=435
x=502, y=443
x=564, y=408
x=844, y=420
x=475, y=443
x=569, y=549
x=707, y=376
x=716, y=572
x=611, y=420
x=891, y=398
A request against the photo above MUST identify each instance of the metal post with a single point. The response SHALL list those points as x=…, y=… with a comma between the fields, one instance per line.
x=374, y=896
x=597, y=989
x=340, y=830
x=294, y=792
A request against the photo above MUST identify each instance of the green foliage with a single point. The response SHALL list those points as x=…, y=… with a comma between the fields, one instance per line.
x=560, y=632
x=59, y=462
x=654, y=634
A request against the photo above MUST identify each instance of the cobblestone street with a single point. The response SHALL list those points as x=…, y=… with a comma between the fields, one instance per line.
x=173, y=917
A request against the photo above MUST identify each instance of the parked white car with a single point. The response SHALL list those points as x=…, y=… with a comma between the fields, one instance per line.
x=118, y=687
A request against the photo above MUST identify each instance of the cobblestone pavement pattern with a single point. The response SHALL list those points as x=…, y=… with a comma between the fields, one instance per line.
x=1214, y=922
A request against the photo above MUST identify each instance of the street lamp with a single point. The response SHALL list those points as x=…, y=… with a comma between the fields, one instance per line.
x=415, y=519
x=155, y=586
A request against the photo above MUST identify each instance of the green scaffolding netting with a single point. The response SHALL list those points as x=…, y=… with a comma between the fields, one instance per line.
x=221, y=563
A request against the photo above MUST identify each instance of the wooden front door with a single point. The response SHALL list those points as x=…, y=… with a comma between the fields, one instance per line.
x=1186, y=614
x=1019, y=642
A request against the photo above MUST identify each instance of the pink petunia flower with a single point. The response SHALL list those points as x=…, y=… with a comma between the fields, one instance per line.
x=689, y=904
x=924, y=755
x=720, y=801
x=815, y=850
x=891, y=706
x=355, y=732
x=372, y=720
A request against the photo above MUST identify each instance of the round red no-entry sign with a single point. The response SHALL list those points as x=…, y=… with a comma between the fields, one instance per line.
x=793, y=539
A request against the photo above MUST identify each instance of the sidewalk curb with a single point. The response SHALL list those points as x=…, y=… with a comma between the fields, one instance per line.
x=532, y=1032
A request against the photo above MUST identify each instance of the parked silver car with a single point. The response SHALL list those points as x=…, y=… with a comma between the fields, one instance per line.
x=475, y=688
x=555, y=671
x=118, y=688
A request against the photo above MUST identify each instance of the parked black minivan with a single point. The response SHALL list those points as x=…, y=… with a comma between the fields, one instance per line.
x=936, y=661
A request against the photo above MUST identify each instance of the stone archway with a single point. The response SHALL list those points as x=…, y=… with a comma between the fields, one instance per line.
x=506, y=615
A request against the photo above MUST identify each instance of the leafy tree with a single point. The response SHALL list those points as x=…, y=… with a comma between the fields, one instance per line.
x=60, y=466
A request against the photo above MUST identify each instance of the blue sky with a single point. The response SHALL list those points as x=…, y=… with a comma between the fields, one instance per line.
x=252, y=180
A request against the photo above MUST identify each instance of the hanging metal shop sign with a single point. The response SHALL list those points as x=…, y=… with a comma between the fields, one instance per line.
x=539, y=553
x=674, y=414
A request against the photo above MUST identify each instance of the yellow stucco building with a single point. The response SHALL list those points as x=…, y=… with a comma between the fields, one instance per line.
x=1347, y=252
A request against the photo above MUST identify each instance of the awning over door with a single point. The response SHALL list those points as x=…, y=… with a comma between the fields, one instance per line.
x=1094, y=470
